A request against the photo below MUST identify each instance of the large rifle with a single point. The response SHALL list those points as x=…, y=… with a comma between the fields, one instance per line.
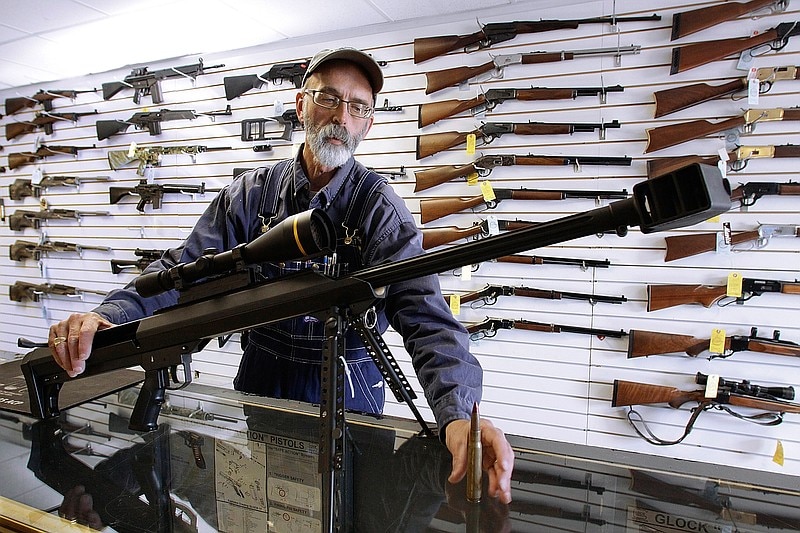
x=236, y=86
x=433, y=143
x=150, y=156
x=151, y=121
x=644, y=343
x=433, y=237
x=22, y=188
x=22, y=218
x=435, y=208
x=144, y=82
x=231, y=302
x=432, y=112
x=678, y=98
x=22, y=290
x=18, y=159
x=680, y=246
x=489, y=328
x=497, y=32
x=489, y=295
x=748, y=193
x=483, y=166
x=42, y=121
x=21, y=250
x=673, y=134
x=153, y=193
x=664, y=296
x=727, y=392
x=737, y=159
x=145, y=257
x=693, y=55
x=42, y=97
x=689, y=22
x=584, y=264
x=441, y=79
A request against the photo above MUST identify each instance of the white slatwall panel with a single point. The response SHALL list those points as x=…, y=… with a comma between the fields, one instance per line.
x=551, y=386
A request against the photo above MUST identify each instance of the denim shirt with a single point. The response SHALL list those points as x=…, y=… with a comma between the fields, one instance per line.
x=449, y=375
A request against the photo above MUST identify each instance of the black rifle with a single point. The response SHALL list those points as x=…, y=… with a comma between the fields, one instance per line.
x=150, y=156
x=256, y=129
x=498, y=32
x=44, y=121
x=432, y=112
x=42, y=97
x=22, y=188
x=236, y=86
x=22, y=250
x=144, y=82
x=151, y=121
x=22, y=290
x=483, y=166
x=146, y=256
x=153, y=193
x=748, y=193
x=22, y=218
x=18, y=159
x=489, y=295
x=489, y=328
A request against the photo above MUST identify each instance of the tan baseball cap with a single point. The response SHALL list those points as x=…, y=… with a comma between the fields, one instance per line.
x=363, y=60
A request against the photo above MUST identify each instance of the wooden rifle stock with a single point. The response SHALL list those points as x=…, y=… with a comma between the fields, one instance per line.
x=666, y=136
x=680, y=246
x=664, y=296
x=426, y=48
x=440, y=79
x=665, y=165
x=672, y=100
x=689, y=22
x=436, y=176
x=436, y=111
x=435, y=208
x=643, y=343
x=433, y=237
x=690, y=56
x=433, y=143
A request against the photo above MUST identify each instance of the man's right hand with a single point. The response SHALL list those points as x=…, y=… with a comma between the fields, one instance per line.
x=71, y=340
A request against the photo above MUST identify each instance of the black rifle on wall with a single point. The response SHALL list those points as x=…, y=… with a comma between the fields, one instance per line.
x=151, y=121
x=236, y=86
x=145, y=82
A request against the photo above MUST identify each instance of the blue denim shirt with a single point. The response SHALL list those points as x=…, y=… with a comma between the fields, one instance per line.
x=449, y=375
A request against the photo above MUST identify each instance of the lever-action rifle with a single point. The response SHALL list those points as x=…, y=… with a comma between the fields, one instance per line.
x=643, y=343
x=748, y=193
x=22, y=250
x=435, y=208
x=151, y=121
x=153, y=193
x=680, y=246
x=693, y=55
x=22, y=290
x=22, y=188
x=584, y=264
x=150, y=156
x=673, y=134
x=435, y=111
x=737, y=159
x=146, y=256
x=489, y=328
x=738, y=394
x=230, y=301
x=433, y=237
x=42, y=97
x=440, y=79
x=497, y=32
x=483, y=166
x=433, y=143
x=491, y=293
x=689, y=22
x=236, y=86
x=18, y=159
x=44, y=121
x=664, y=296
x=22, y=218
x=144, y=82
x=678, y=98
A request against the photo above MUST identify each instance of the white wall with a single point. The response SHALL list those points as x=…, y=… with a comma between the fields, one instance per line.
x=545, y=385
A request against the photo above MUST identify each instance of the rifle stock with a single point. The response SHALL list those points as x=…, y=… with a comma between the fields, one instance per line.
x=432, y=112
x=664, y=296
x=236, y=86
x=429, y=47
x=643, y=343
x=433, y=237
x=441, y=79
x=673, y=100
x=689, y=22
x=435, y=208
x=680, y=246
x=433, y=143
x=674, y=134
x=425, y=179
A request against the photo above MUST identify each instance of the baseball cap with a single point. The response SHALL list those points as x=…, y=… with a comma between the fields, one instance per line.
x=363, y=60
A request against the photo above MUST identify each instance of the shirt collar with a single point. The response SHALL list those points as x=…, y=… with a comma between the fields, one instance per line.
x=330, y=191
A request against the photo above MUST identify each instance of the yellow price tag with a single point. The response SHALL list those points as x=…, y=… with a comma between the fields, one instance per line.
x=717, y=342
x=455, y=304
x=471, y=140
x=472, y=178
x=487, y=191
x=734, y=288
x=778, y=457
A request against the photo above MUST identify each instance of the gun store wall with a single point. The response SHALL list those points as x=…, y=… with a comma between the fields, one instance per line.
x=564, y=332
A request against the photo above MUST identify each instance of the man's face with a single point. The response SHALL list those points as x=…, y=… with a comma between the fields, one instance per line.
x=333, y=135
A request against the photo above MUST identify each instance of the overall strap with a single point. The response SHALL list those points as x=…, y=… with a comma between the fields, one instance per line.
x=367, y=182
x=268, y=207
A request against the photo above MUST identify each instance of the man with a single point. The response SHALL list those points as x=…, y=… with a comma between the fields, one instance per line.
x=283, y=360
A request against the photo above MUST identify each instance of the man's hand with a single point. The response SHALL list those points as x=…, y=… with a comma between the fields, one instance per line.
x=498, y=457
x=71, y=340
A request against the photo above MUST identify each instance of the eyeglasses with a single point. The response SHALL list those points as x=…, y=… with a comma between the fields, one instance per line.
x=328, y=101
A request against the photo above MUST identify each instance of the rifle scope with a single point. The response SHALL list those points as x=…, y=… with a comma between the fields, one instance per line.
x=749, y=389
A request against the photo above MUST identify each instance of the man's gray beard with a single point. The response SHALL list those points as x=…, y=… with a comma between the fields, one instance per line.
x=331, y=155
